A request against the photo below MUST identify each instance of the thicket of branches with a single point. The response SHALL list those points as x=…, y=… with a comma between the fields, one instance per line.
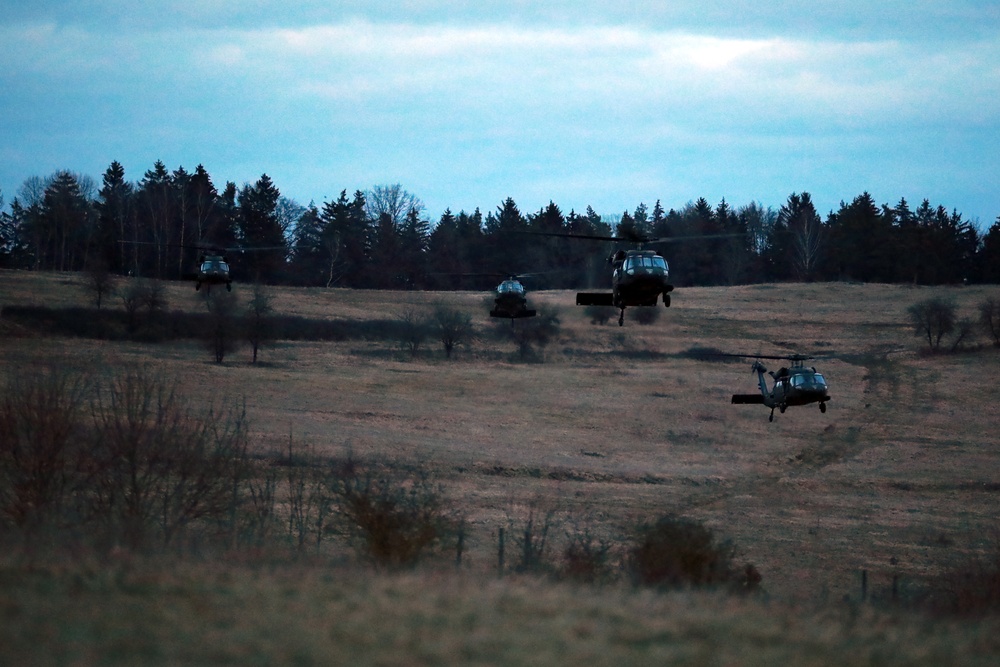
x=382, y=238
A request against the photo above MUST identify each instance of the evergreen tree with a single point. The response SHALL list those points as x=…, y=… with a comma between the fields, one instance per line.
x=15, y=250
x=508, y=248
x=345, y=238
x=445, y=249
x=261, y=233
x=414, y=238
x=805, y=235
x=116, y=224
x=68, y=224
x=860, y=242
x=155, y=219
x=309, y=264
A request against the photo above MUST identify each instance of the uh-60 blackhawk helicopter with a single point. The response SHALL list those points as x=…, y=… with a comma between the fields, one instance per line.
x=511, y=300
x=638, y=277
x=212, y=267
x=793, y=385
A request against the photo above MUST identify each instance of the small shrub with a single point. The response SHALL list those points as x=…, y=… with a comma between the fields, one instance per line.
x=452, y=326
x=41, y=413
x=970, y=589
x=222, y=332
x=530, y=332
x=989, y=319
x=674, y=552
x=395, y=520
x=933, y=319
x=586, y=557
x=412, y=332
x=531, y=541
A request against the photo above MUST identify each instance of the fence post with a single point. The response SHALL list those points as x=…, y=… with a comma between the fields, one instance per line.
x=500, y=553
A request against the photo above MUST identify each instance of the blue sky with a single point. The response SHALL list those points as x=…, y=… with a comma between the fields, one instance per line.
x=466, y=104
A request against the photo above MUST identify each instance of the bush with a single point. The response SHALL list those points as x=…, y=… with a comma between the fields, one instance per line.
x=674, y=552
x=128, y=461
x=530, y=332
x=970, y=589
x=586, y=557
x=933, y=319
x=160, y=466
x=394, y=519
x=41, y=429
x=989, y=319
x=452, y=326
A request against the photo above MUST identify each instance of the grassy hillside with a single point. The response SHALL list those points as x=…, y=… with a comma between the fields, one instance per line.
x=894, y=486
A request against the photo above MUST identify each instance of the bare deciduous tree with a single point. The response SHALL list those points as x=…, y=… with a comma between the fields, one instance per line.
x=933, y=319
x=391, y=200
x=453, y=327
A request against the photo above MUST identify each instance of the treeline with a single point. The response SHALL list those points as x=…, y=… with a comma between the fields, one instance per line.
x=381, y=238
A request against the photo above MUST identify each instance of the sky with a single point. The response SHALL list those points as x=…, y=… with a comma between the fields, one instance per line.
x=465, y=104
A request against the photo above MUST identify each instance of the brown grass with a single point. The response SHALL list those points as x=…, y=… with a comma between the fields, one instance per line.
x=897, y=479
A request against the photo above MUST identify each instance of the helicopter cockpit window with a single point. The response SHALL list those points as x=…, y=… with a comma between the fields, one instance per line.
x=511, y=286
x=819, y=379
x=659, y=262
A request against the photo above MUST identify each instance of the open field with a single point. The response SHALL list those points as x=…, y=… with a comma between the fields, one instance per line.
x=897, y=480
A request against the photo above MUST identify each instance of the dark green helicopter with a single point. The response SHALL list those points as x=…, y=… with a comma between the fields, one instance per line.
x=511, y=300
x=213, y=269
x=638, y=277
x=793, y=385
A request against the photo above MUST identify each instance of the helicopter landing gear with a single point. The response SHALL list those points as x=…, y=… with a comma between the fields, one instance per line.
x=197, y=286
x=666, y=300
x=229, y=287
x=771, y=416
x=621, y=318
x=782, y=407
x=822, y=407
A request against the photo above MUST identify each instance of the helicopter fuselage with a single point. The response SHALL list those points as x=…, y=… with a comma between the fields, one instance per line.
x=638, y=278
x=213, y=270
x=792, y=386
x=511, y=301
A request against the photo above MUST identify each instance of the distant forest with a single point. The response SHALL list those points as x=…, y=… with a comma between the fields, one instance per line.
x=381, y=238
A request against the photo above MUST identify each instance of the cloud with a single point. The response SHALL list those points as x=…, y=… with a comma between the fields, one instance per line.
x=585, y=97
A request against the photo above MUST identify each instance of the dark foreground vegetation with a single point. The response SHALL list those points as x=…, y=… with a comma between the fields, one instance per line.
x=137, y=526
x=120, y=462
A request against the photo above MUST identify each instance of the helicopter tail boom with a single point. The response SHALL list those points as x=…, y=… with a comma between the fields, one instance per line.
x=595, y=299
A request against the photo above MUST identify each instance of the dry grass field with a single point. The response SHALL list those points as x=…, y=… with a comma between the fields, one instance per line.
x=897, y=480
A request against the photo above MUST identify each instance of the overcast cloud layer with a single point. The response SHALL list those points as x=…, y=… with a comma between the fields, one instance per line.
x=465, y=104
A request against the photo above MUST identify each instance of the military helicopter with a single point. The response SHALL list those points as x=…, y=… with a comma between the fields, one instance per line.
x=794, y=385
x=638, y=277
x=213, y=269
x=511, y=300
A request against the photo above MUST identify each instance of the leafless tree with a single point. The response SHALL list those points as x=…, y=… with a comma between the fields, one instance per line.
x=392, y=200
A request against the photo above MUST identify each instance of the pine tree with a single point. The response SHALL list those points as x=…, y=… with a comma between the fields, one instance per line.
x=261, y=233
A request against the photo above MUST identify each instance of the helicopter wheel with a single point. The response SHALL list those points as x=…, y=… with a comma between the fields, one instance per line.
x=666, y=300
x=770, y=417
x=229, y=287
x=197, y=287
x=822, y=407
x=782, y=408
x=621, y=318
